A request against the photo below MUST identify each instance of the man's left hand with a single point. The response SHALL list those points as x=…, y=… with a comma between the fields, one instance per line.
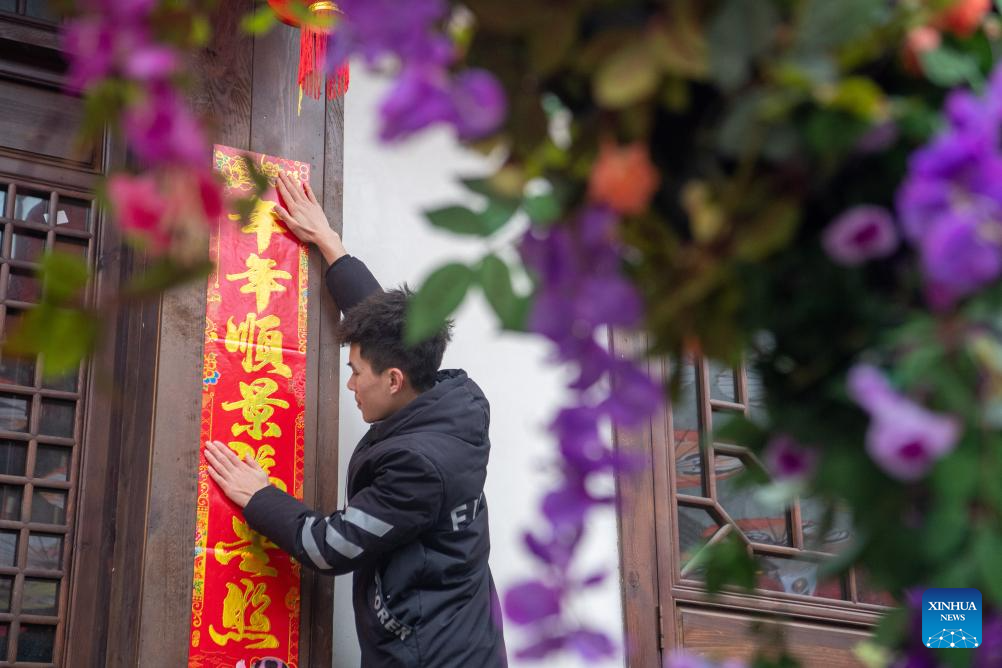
x=240, y=479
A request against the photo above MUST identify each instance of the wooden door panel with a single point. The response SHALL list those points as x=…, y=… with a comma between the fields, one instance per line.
x=721, y=635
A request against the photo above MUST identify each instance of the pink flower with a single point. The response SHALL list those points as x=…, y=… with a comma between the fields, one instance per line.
x=786, y=459
x=904, y=438
x=139, y=207
x=862, y=233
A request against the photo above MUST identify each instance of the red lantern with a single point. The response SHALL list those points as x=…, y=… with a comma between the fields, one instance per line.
x=313, y=43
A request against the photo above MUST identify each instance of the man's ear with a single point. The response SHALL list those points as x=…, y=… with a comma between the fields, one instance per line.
x=396, y=380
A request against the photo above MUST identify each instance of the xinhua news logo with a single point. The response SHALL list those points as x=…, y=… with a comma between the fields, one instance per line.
x=951, y=618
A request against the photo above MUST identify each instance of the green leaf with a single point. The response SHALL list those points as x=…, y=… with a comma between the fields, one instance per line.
x=498, y=212
x=726, y=562
x=768, y=232
x=63, y=275
x=259, y=22
x=165, y=274
x=743, y=128
x=826, y=25
x=892, y=627
x=542, y=208
x=258, y=178
x=63, y=335
x=956, y=476
x=629, y=75
x=948, y=67
x=443, y=291
x=987, y=548
x=945, y=529
x=551, y=40
x=201, y=30
x=495, y=280
x=859, y=96
x=488, y=187
x=459, y=220
x=679, y=42
x=741, y=31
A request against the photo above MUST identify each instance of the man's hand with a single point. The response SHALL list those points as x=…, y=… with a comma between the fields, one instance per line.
x=240, y=479
x=305, y=217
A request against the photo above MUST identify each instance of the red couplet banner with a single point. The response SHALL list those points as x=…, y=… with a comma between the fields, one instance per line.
x=245, y=591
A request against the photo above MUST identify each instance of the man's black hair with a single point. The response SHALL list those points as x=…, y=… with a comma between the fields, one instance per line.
x=377, y=326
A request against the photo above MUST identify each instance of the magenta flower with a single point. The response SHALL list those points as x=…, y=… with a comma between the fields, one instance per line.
x=151, y=63
x=162, y=130
x=786, y=459
x=904, y=438
x=862, y=233
x=89, y=47
x=139, y=207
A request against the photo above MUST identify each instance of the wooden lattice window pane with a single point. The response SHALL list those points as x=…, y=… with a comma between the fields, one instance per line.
x=39, y=427
x=713, y=501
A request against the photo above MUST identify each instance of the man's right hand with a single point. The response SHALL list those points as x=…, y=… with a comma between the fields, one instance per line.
x=305, y=217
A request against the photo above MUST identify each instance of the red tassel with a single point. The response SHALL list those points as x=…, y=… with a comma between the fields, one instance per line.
x=313, y=44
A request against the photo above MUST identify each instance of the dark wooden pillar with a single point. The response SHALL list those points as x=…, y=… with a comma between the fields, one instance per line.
x=248, y=85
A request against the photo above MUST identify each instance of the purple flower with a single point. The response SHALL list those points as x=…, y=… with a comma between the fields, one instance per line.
x=479, y=103
x=590, y=645
x=950, y=204
x=878, y=138
x=634, y=397
x=577, y=433
x=377, y=28
x=786, y=459
x=963, y=252
x=423, y=96
x=566, y=506
x=419, y=98
x=542, y=647
x=904, y=438
x=989, y=655
x=558, y=550
x=862, y=233
x=532, y=601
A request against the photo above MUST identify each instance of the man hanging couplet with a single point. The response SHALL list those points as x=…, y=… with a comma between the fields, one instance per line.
x=245, y=591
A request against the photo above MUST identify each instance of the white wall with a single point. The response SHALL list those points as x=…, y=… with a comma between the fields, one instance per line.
x=385, y=189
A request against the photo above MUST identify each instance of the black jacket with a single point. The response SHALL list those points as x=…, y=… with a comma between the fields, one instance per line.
x=414, y=530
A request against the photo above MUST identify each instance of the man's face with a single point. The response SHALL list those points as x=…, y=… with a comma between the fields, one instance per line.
x=376, y=394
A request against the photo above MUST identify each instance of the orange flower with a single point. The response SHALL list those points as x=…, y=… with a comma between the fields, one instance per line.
x=918, y=41
x=623, y=177
x=963, y=17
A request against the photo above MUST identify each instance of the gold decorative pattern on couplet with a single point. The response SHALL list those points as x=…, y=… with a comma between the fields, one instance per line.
x=260, y=342
x=244, y=616
x=262, y=279
x=257, y=407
